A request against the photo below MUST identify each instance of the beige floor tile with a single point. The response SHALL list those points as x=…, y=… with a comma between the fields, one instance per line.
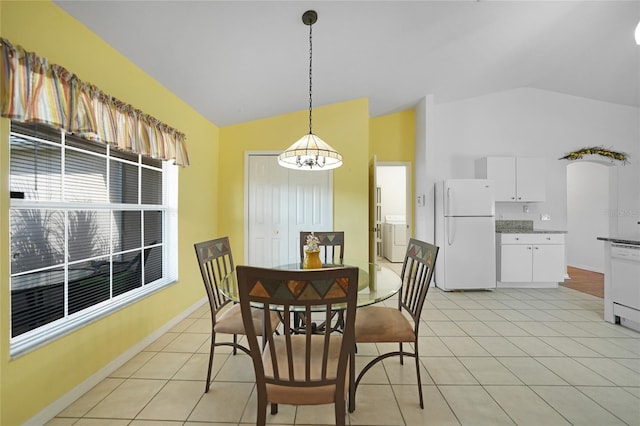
x=633, y=391
x=630, y=344
x=464, y=346
x=612, y=371
x=127, y=400
x=376, y=375
x=156, y=423
x=287, y=414
x=182, y=325
x=493, y=305
x=604, y=347
x=489, y=371
x=474, y=406
x=200, y=325
x=512, y=315
x=376, y=405
x=433, y=315
x=161, y=342
x=633, y=364
x=448, y=371
x=536, y=329
x=237, y=368
x=485, y=315
x=576, y=407
x=468, y=304
x=573, y=372
x=433, y=346
x=196, y=367
x=317, y=415
x=90, y=399
x=367, y=349
x=133, y=365
x=475, y=328
x=225, y=403
x=524, y=407
x=499, y=346
x=101, y=422
x=163, y=365
x=563, y=315
x=569, y=347
x=567, y=329
x=187, y=342
x=617, y=401
x=530, y=371
x=539, y=315
x=436, y=410
x=506, y=328
x=446, y=328
x=518, y=305
x=458, y=315
x=601, y=328
x=405, y=374
x=533, y=346
x=175, y=401
x=61, y=421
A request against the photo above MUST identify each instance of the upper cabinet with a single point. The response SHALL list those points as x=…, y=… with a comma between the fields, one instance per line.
x=516, y=179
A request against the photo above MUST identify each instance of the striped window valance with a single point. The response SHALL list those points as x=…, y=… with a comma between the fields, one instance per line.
x=32, y=90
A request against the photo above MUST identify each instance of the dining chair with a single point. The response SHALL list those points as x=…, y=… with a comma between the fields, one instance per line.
x=299, y=367
x=380, y=324
x=216, y=262
x=331, y=246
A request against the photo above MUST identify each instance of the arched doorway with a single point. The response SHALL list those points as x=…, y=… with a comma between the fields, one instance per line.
x=591, y=212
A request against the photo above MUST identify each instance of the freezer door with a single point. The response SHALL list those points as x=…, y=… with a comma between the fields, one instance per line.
x=469, y=197
x=469, y=253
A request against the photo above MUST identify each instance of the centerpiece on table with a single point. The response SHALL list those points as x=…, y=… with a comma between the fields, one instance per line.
x=312, y=253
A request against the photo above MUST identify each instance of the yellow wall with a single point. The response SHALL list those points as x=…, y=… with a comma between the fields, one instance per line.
x=393, y=139
x=32, y=381
x=393, y=136
x=344, y=126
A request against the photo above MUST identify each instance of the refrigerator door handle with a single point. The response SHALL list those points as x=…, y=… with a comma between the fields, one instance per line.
x=449, y=232
x=448, y=206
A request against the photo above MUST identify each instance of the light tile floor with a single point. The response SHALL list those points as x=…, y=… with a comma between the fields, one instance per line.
x=503, y=357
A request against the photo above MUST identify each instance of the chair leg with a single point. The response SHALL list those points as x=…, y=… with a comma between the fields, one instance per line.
x=213, y=345
x=340, y=413
x=235, y=342
x=418, y=374
x=352, y=382
x=401, y=357
x=262, y=411
x=274, y=408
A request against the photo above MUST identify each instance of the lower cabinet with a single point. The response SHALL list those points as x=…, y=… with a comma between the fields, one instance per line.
x=530, y=258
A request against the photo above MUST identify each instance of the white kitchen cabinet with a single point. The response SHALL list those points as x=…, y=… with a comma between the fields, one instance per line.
x=537, y=259
x=516, y=179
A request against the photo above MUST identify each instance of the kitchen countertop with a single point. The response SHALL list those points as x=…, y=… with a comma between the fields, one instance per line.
x=623, y=239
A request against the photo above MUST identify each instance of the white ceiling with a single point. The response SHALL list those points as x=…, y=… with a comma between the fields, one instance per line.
x=237, y=61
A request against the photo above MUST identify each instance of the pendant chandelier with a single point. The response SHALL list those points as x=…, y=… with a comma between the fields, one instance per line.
x=310, y=152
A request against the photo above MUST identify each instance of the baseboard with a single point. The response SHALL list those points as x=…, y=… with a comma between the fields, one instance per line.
x=63, y=402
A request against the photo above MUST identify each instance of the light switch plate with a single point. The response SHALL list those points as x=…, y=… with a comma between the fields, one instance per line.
x=545, y=216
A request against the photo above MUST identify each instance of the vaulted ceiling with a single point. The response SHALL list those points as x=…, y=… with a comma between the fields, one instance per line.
x=237, y=61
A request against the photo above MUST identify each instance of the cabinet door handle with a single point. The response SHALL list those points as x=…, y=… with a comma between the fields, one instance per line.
x=536, y=248
x=529, y=248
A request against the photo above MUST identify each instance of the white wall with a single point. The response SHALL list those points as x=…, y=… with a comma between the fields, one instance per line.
x=531, y=122
x=587, y=214
x=392, y=181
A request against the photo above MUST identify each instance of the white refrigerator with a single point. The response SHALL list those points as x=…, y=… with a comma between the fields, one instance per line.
x=465, y=233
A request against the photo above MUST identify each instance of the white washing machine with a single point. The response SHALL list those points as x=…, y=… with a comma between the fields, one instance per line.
x=394, y=238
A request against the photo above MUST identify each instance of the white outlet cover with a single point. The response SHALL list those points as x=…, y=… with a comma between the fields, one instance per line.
x=545, y=216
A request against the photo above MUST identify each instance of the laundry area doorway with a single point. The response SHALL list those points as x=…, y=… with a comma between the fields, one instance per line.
x=393, y=180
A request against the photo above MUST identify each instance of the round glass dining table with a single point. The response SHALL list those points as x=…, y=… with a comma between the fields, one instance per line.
x=375, y=282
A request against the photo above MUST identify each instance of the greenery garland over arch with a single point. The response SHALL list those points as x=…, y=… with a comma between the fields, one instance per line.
x=597, y=150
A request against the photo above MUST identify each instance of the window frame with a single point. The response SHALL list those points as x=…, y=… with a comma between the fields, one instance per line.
x=46, y=333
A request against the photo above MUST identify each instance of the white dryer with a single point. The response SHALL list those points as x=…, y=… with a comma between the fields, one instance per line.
x=394, y=237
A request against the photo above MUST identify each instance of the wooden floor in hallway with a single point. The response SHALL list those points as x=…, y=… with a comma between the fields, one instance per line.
x=585, y=281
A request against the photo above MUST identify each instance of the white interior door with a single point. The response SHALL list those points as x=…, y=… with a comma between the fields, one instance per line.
x=281, y=203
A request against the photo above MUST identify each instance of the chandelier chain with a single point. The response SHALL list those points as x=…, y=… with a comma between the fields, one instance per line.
x=310, y=75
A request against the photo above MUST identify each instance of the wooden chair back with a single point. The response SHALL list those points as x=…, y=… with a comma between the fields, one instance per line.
x=417, y=271
x=216, y=262
x=297, y=366
x=331, y=246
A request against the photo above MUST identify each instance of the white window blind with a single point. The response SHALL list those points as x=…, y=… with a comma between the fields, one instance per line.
x=91, y=229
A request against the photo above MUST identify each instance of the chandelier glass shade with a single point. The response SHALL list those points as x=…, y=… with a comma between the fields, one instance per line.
x=638, y=34
x=310, y=152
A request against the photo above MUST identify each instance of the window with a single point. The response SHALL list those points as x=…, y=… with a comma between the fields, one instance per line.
x=91, y=229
